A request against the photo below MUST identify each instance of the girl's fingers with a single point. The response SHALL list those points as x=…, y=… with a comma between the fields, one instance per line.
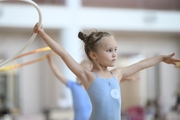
x=177, y=60
x=171, y=55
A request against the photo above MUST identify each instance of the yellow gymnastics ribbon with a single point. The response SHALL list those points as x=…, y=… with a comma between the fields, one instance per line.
x=178, y=65
x=22, y=64
x=6, y=68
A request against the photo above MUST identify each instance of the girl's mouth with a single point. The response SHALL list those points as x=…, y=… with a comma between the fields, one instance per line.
x=114, y=60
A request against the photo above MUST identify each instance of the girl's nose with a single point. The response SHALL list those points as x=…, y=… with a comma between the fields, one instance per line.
x=114, y=54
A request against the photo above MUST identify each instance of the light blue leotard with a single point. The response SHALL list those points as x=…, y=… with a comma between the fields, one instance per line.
x=81, y=102
x=105, y=98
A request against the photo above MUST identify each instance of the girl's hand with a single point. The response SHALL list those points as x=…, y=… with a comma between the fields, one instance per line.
x=37, y=29
x=170, y=60
x=49, y=56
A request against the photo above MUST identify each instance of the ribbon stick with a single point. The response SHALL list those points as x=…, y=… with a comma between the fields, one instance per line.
x=6, y=68
x=34, y=51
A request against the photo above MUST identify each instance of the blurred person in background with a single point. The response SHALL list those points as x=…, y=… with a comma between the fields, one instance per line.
x=4, y=110
x=176, y=107
x=178, y=99
x=81, y=103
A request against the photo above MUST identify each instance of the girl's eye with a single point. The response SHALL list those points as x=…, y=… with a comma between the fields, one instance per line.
x=115, y=49
x=109, y=51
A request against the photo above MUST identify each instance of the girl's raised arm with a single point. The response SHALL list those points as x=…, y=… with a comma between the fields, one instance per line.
x=132, y=69
x=55, y=70
x=76, y=68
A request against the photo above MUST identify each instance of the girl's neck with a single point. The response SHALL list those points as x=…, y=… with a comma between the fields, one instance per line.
x=103, y=73
x=99, y=68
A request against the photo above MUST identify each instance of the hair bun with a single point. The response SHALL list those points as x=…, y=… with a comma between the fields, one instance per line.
x=82, y=36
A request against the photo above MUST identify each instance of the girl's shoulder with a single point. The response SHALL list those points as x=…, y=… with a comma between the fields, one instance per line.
x=117, y=72
x=88, y=79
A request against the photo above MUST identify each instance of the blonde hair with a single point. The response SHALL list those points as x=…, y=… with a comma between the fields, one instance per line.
x=91, y=42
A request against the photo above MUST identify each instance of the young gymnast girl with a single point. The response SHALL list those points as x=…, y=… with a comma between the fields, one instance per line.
x=81, y=103
x=101, y=84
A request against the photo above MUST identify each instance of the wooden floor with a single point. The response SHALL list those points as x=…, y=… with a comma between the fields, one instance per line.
x=68, y=115
x=54, y=114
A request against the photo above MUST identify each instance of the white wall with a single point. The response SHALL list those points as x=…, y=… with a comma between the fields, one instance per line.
x=102, y=18
x=149, y=44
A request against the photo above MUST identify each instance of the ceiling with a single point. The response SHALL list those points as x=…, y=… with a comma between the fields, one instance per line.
x=132, y=4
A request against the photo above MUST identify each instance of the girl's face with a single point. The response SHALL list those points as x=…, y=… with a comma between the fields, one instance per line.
x=106, y=54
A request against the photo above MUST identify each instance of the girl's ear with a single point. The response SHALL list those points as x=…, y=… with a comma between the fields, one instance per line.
x=92, y=55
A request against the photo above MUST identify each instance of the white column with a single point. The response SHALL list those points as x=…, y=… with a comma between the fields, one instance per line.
x=73, y=3
x=70, y=41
